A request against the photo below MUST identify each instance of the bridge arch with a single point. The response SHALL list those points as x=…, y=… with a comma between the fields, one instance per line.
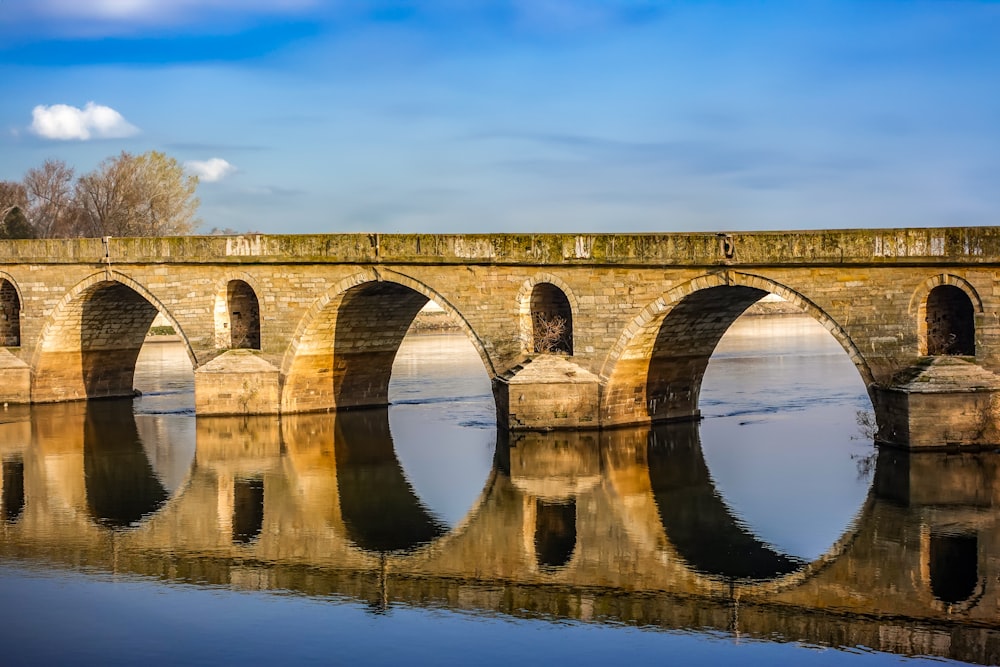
x=10, y=311
x=542, y=296
x=654, y=370
x=342, y=351
x=237, y=311
x=91, y=339
x=945, y=307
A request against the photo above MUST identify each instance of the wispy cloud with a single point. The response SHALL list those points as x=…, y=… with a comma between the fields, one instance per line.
x=212, y=170
x=575, y=15
x=67, y=123
x=695, y=156
x=116, y=17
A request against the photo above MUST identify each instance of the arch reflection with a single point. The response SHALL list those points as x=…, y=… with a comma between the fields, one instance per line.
x=555, y=533
x=614, y=518
x=380, y=510
x=248, y=509
x=12, y=499
x=696, y=520
x=954, y=566
x=122, y=485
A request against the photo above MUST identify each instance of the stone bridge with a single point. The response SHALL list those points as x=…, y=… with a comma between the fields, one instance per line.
x=575, y=331
x=620, y=525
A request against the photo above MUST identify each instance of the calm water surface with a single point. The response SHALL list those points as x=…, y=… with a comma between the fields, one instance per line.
x=770, y=533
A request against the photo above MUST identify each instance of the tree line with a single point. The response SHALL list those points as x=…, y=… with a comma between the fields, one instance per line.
x=125, y=195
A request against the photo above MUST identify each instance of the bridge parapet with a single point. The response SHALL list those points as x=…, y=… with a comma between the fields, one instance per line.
x=924, y=246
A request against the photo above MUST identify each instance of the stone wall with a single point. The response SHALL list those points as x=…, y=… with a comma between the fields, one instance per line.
x=646, y=309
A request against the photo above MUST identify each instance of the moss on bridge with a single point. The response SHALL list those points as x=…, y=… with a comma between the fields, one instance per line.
x=967, y=245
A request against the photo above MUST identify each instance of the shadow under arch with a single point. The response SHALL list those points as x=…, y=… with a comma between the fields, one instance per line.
x=10, y=311
x=91, y=340
x=654, y=371
x=342, y=352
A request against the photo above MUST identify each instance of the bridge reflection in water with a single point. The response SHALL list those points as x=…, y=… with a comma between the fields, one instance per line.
x=617, y=526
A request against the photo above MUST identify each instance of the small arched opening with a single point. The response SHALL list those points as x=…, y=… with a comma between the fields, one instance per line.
x=950, y=321
x=10, y=315
x=243, y=310
x=551, y=320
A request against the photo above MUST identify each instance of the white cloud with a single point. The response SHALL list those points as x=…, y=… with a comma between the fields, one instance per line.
x=211, y=170
x=94, y=121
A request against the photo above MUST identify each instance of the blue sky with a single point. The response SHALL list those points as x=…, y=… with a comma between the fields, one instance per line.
x=522, y=115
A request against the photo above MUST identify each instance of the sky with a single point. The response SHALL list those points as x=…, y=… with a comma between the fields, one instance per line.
x=452, y=116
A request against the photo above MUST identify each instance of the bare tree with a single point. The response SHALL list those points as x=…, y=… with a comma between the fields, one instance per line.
x=12, y=195
x=137, y=195
x=549, y=334
x=51, y=209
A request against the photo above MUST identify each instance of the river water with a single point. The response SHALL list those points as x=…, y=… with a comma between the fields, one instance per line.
x=773, y=532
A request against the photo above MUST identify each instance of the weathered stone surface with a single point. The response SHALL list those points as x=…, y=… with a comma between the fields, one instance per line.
x=941, y=402
x=548, y=391
x=237, y=382
x=15, y=379
x=645, y=310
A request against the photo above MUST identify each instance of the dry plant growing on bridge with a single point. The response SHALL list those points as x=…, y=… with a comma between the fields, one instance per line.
x=550, y=334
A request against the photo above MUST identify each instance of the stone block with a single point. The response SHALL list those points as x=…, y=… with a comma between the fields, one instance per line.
x=237, y=382
x=547, y=392
x=15, y=379
x=943, y=402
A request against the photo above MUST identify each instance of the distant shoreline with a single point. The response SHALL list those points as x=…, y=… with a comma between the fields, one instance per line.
x=776, y=308
x=440, y=322
x=163, y=338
